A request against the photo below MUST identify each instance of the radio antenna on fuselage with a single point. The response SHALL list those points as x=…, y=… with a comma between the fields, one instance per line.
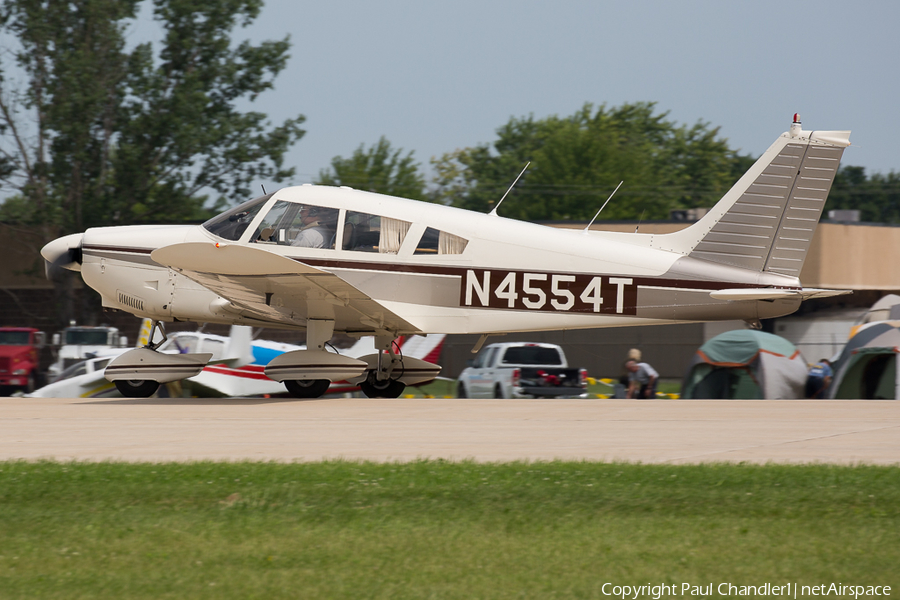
x=641, y=220
x=494, y=212
x=604, y=206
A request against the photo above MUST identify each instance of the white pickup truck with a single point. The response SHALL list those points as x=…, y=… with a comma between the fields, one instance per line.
x=521, y=370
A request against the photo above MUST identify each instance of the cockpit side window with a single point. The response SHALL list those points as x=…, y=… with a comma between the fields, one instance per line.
x=373, y=233
x=440, y=242
x=231, y=224
x=294, y=224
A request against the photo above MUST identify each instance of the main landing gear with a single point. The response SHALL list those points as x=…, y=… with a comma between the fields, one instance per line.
x=386, y=388
x=136, y=388
x=385, y=374
x=307, y=388
x=384, y=378
x=389, y=372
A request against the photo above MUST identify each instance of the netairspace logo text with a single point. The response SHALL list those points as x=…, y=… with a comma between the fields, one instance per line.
x=786, y=590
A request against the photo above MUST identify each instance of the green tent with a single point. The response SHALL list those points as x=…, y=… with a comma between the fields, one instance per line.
x=867, y=366
x=746, y=364
x=870, y=374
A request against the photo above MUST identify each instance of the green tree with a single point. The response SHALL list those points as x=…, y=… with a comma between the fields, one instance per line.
x=377, y=169
x=135, y=136
x=96, y=134
x=876, y=197
x=577, y=161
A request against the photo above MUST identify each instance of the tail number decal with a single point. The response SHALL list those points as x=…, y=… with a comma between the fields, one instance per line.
x=555, y=292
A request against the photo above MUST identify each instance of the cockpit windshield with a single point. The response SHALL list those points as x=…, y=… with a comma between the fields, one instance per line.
x=231, y=224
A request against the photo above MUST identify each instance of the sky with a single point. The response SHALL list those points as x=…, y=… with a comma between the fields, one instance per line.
x=436, y=76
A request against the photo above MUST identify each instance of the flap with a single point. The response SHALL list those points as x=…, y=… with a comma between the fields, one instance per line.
x=263, y=285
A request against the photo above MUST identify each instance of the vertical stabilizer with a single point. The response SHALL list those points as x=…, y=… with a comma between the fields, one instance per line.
x=239, y=349
x=766, y=222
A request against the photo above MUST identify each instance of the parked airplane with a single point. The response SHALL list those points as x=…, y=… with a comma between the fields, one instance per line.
x=236, y=368
x=328, y=260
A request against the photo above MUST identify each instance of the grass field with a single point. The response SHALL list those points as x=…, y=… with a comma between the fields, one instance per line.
x=434, y=529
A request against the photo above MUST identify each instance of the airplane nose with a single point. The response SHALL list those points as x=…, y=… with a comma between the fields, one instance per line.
x=64, y=252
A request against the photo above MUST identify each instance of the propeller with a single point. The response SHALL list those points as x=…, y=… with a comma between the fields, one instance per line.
x=63, y=253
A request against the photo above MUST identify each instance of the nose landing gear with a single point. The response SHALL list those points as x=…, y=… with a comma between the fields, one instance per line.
x=137, y=373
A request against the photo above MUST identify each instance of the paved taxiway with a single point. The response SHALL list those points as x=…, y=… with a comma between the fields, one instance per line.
x=650, y=431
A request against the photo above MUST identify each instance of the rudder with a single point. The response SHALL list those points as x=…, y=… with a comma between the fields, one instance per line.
x=766, y=222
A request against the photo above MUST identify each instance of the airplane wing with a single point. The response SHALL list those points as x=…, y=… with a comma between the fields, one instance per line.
x=775, y=293
x=267, y=286
x=89, y=385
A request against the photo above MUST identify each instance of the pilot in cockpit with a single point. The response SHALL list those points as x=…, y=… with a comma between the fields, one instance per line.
x=314, y=233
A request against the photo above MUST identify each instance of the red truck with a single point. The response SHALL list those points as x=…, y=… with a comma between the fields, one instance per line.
x=20, y=349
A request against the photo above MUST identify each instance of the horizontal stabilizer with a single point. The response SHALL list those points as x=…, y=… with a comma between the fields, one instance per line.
x=808, y=293
x=774, y=293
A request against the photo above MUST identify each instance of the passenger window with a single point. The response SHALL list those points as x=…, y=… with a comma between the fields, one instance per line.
x=440, y=242
x=303, y=225
x=372, y=233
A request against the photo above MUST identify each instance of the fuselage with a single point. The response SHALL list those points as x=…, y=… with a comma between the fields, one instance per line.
x=444, y=270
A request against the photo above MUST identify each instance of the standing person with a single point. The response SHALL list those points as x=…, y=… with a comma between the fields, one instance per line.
x=633, y=355
x=642, y=380
x=621, y=388
x=819, y=378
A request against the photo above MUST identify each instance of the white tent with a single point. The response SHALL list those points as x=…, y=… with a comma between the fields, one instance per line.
x=746, y=364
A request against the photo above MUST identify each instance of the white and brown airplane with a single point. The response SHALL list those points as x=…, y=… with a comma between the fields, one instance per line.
x=328, y=259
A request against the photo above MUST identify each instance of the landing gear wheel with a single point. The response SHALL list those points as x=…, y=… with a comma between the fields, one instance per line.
x=389, y=388
x=307, y=388
x=136, y=388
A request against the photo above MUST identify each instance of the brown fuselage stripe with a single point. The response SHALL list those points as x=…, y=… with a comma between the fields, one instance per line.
x=696, y=284
x=461, y=271
x=118, y=249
